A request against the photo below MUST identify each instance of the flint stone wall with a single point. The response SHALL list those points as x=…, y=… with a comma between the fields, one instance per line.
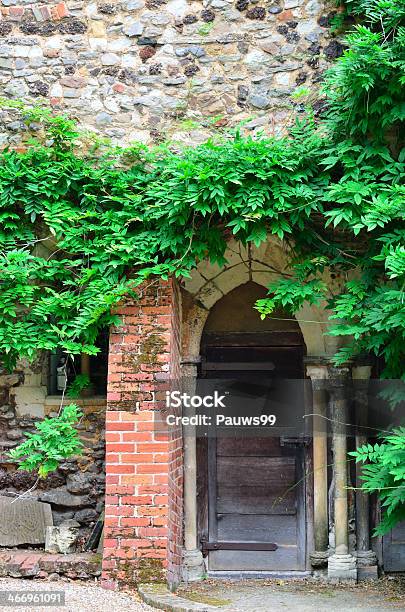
x=76, y=489
x=151, y=69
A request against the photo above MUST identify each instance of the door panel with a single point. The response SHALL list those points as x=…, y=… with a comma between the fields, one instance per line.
x=256, y=489
x=259, y=447
x=254, y=499
x=394, y=549
x=258, y=528
x=256, y=471
x=282, y=559
x=254, y=485
x=269, y=500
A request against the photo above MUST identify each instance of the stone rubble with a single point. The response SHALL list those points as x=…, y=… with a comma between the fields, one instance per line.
x=76, y=489
x=33, y=564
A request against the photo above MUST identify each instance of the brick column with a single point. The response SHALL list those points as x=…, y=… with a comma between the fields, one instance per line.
x=143, y=511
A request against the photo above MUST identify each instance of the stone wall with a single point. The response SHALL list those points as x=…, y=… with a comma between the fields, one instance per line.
x=152, y=69
x=143, y=511
x=76, y=489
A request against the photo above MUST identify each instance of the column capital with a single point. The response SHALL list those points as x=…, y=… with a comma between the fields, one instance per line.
x=317, y=371
x=339, y=376
x=321, y=360
x=361, y=372
x=323, y=367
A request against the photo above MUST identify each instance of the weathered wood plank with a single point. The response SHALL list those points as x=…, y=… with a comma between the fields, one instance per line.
x=256, y=500
x=241, y=447
x=282, y=559
x=256, y=471
x=257, y=528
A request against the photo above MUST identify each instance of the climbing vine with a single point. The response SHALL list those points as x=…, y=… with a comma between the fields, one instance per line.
x=383, y=473
x=55, y=439
x=83, y=224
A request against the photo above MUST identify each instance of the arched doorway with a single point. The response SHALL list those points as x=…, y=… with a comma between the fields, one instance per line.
x=251, y=490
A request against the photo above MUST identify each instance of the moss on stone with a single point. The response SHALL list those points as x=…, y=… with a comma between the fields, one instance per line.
x=150, y=570
x=150, y=350
x=206, y=599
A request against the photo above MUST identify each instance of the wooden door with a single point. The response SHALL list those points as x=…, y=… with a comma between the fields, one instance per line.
x=256, y=489
x=394, y=549
x=255, y=505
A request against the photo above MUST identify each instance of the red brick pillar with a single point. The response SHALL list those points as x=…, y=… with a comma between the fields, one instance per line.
x=143, y=510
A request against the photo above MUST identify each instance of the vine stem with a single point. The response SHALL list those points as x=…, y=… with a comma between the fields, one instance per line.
x=21, y=495
x=314, y=414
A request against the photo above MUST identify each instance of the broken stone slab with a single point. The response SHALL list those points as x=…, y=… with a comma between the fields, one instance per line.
x=23, y=521
x=78, y=563
x=22, y=565
x=62, y=539
x=29, y=564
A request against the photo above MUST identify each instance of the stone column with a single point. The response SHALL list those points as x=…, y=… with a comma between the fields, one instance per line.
x=366, y=558
x=318, y=375
x=341, y=565
x=193, y=563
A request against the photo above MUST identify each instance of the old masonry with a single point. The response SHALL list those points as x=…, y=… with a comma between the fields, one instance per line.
x=178, y=507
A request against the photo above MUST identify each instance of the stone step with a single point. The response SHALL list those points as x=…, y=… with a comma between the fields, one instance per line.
x=158, y=596
x=30, y=564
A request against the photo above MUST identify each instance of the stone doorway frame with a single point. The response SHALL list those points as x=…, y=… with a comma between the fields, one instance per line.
x=208, y=284
x=159, y=338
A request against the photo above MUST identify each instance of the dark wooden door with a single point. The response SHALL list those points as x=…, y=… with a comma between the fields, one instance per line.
x=394, y=549
x=255, y=500
x=256, y=489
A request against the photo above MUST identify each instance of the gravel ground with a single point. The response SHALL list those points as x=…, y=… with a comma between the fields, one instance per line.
x=250, y=596
x=79, y=597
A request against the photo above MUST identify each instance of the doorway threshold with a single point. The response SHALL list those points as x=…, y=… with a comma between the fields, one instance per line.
x=256, y=575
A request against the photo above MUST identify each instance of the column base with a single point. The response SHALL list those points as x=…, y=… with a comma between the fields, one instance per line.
x=319, y=558
x=365, y=557
x=342, y=568
x=367, y=568
x=193, y=567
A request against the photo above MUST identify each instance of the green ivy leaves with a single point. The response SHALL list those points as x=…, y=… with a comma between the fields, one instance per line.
x=383, y=472
x=56, y=439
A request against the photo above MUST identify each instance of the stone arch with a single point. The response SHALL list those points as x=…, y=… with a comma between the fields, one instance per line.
x=263, y=264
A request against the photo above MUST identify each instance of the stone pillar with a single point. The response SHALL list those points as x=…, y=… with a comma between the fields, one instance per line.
x=193, y=563
x=318, y=374
x=341, y=565
x=366, y=558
